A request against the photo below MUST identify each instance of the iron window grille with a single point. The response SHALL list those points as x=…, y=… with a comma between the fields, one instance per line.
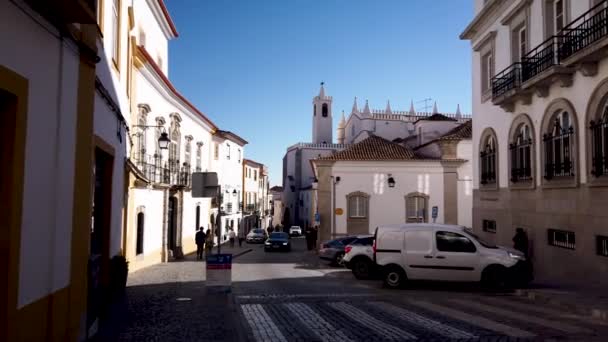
x=489, y=226
x=561, y=238
x=488, y=163
x=521, y=157
x=599, y=145
x=558, y=151
x=602, y=245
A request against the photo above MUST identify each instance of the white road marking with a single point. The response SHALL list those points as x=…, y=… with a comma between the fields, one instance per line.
x=472, y=319
x=262, y=326
x=386, y=330
x=313, y=321
x=523, y=317
x=414, y=318
x=304, y=295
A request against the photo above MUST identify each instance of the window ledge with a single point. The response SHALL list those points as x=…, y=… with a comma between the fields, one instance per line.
x=488, y=187
x=560, y=183
x=523, y=185
x=595, y=182
x=486, y=95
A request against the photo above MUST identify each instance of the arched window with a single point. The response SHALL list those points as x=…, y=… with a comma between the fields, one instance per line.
x=140, y=135
x=199, y=154
x=599, y=144
x=487, y=160
x=174, y=147
x=139, y=247
x=521, y=153
x=416, y=208
x=558, y=142
x=324, y=110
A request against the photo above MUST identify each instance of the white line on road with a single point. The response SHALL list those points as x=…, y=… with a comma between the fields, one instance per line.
x=313, y=321
x=472, y=319
x=432, y=325
x=305, y=295
x=388, y=331
x=262, y=326
x=523, y=317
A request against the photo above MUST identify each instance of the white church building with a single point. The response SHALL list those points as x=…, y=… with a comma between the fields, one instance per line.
x=405, y=131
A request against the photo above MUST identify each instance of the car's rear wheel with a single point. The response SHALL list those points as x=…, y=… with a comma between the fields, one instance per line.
x=394, y=277
x=361, y=268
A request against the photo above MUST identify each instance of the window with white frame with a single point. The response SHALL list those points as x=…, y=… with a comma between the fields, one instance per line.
x=487, y=71
x=357, y=206
x=416, y=208
x=116, y=32
x=199, y=154
x=216, y=151
x=188, y=150
x=228, y=148
x=239, y=152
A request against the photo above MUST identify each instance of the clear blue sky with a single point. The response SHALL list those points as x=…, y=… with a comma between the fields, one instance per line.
x=253, y=66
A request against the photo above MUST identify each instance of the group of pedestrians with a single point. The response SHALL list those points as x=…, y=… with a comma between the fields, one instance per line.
x=204, y=243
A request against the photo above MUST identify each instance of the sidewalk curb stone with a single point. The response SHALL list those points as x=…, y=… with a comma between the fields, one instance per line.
x=594, y=312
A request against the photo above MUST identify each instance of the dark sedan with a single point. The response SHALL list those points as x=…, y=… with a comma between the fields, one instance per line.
x=278, y=241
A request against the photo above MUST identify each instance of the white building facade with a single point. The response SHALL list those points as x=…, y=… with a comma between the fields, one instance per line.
x=540, y=132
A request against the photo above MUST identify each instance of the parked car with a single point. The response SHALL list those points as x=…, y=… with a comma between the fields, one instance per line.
x=256, y=235
x=295, y=231
x=445, y=253
x=359, y=257
x=277, y=241
x=334, y=250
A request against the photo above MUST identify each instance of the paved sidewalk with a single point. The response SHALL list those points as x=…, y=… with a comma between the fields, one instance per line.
x=592, y=302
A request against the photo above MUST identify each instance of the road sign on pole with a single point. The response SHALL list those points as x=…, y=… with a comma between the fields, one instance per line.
x=435, y=212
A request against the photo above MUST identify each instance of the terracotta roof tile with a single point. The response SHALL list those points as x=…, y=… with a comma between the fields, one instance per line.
x=464, y=131
x=374, y=148
x=436, y=117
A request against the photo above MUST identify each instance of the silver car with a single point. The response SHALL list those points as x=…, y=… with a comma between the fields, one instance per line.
x=334, y=250
x=256, y=235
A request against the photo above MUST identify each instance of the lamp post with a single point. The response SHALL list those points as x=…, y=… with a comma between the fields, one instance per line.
x=163, y=140
x=391, y=181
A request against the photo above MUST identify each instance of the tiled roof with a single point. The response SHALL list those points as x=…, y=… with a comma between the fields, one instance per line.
x=374, y=148
x=464, y=131
x=436, y=117
x=277, y=188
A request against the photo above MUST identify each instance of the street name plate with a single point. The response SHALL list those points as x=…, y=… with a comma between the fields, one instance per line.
x=219, y=271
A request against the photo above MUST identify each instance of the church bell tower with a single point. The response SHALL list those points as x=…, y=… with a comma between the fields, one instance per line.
x=321, y=118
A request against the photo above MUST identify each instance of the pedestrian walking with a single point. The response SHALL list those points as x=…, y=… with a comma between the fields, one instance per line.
x=520, y=241
x=208, y=242
x=200, y=238
x=232, y=236
x=241, y=236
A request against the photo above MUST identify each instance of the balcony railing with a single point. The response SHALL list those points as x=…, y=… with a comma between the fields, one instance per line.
x=579, y=34
x=584, y=31
x=506, y=80
x=163, y=171
x=539, y=59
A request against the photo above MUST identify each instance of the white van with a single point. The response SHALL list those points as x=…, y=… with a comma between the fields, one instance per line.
x=444, y=252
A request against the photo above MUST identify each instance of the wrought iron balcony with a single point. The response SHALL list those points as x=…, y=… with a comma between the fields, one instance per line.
x=585, y=33
x=161, y=171
x=506, y=80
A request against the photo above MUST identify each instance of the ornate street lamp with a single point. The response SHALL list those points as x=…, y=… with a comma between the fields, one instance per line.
x=164, y=141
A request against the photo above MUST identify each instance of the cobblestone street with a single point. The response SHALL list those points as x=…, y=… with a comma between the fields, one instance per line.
x=295, y=297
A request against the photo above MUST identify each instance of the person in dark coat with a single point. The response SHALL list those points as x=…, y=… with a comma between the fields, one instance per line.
x=308, y=234
x=200, y=238
x=520, y=241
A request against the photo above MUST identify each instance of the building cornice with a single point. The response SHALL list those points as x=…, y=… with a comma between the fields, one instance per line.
x=487, y=38
x=161, y=14
x=481, y=19
x=153, y=74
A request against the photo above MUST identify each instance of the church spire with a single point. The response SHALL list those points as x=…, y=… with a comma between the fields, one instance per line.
x=412, y=110
x=355, y=108
x=322, y=90
x=435, y=111
x=388, y=107
x=342, y=122
x=366, y=108
x=458, y=114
